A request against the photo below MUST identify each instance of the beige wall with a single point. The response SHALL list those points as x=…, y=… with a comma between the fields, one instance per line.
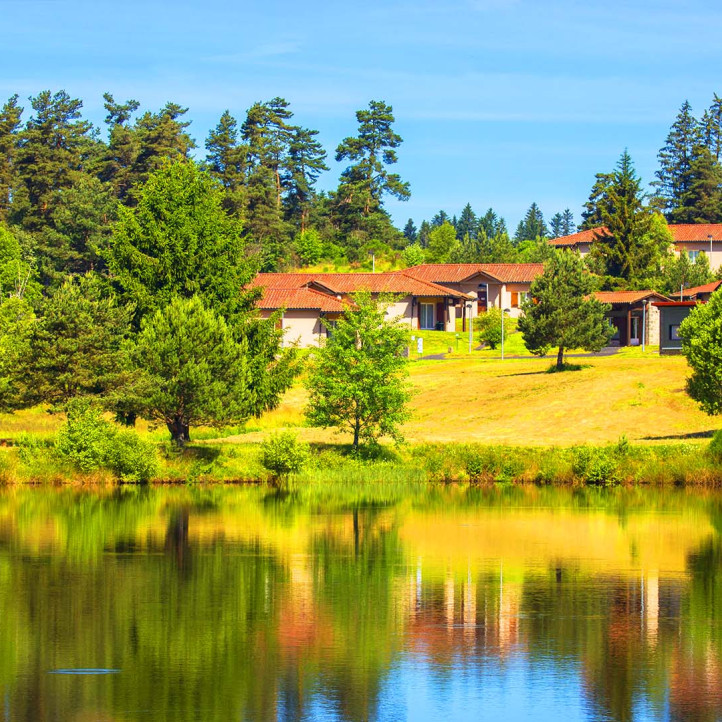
x=402, y=309
x=715, y=259
x=301, y=327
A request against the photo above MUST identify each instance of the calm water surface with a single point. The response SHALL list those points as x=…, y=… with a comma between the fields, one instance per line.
x=380, y=604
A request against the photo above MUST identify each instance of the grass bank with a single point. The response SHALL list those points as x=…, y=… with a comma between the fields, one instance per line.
x=33, y=461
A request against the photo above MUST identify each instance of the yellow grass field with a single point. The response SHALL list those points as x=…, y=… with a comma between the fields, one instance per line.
x=512, y=402
x=515, y=402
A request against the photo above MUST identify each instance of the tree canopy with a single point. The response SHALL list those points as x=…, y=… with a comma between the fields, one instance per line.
x=701, y=334
x=562, y=311
x=357, y=381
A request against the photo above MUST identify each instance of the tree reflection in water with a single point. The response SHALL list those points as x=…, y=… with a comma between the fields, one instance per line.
x=228, y=603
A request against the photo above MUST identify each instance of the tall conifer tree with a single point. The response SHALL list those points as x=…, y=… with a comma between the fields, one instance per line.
x=675, y=158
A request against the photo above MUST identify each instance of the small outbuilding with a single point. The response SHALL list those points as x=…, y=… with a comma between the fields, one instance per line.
x=634, y=316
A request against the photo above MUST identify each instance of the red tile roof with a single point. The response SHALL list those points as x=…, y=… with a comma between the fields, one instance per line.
x=300, y=299
x=588, y=236
x=457, y=272
x=681, y=233
x=706, y=288
x=345, y=283
x=282, y=280
x=696, y=231
x=623, y=297
x=513, y=272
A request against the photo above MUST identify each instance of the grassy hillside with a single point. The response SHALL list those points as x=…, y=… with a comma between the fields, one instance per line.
x=477, y=399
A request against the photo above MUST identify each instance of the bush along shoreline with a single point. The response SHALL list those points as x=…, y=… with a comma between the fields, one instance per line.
x=89, y=450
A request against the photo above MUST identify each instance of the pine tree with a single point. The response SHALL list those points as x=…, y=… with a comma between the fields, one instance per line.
x=592, y=215
x=440, y=218
x=53, y=147
x=424, y=230
x=468, y=223
x=492, y=224
x=120, y=157
x=701, y=202
x=306, y=162
x=371, y=151
x=674, y=174
x=628, y=248
x=568, y=224
x=712, y=127
x=563, y=313
x=10, y=115
x=562, y=224
x=226, y=161
x=161, y=137
x=533, y=226
x=267, y=136
x=555, y=226
x=410, y=232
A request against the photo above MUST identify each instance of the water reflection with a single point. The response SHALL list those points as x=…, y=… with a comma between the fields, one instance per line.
x=455, y=603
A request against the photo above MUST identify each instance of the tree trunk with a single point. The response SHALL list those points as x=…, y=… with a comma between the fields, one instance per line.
x=356, y=430
x=179, y=431
x=560, y=358
x=127, y=419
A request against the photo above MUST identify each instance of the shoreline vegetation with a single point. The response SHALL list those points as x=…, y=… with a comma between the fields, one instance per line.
x=37, y=461
x=624, y=419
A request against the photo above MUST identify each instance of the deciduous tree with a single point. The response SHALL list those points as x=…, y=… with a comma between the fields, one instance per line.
x=357, y=381
x=701, y=334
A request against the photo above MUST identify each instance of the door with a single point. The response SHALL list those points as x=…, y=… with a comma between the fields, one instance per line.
x=441, y=313
x=426, y=315
x=482, y=296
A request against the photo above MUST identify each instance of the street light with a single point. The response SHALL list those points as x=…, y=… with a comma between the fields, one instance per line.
x=471, y=324
x=503, y=311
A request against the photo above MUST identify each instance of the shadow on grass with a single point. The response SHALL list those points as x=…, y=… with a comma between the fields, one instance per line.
x=678, y=437
x=197, y=453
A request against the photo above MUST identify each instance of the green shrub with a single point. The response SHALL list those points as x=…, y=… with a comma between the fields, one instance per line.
x=83, y=439
x=489, y=327
x=283, y=454
x=131, y=458
x=715, y=447
x=89, y=442
x=595, y=465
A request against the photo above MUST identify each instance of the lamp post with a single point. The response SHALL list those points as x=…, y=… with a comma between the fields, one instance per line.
x=471, y=324
x=503, y=311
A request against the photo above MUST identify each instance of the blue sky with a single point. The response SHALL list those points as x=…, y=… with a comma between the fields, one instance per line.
x=500, y=102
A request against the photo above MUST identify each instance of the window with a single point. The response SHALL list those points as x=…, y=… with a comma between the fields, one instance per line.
x=692, y=255
x=514, y=299
x=674, y=332
x=330, y=326
x=426, y=315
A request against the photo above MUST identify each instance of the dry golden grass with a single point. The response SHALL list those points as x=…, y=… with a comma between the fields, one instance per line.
x=514, y=402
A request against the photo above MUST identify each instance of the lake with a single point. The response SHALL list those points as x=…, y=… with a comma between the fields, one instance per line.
x=372, y=603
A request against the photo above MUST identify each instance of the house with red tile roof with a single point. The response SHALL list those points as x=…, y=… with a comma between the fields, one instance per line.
x=634, y=316
x=491, y=285
x=689, y=238
x=672, y=313
x=701, y=293
x=312, y=302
